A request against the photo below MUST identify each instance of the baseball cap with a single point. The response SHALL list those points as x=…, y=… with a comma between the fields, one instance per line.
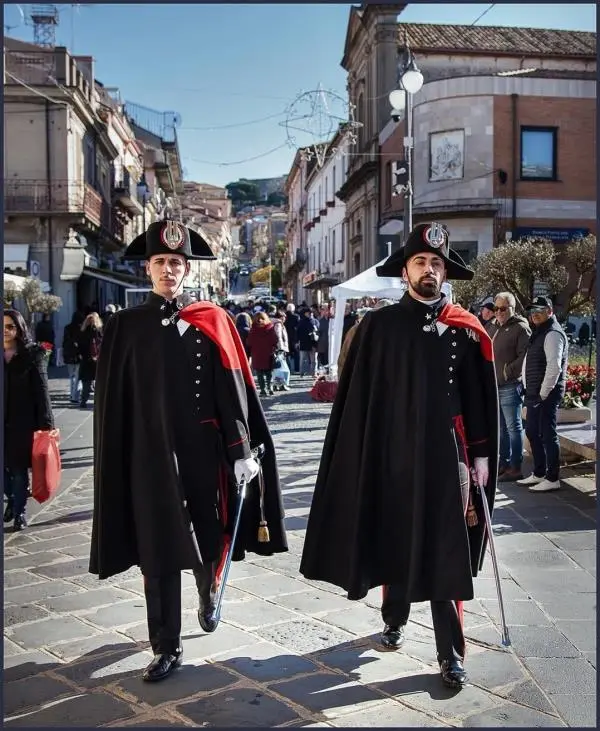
x=540, y=303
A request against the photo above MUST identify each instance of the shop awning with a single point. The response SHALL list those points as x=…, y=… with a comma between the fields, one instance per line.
x=16, y=256
x=115, y=278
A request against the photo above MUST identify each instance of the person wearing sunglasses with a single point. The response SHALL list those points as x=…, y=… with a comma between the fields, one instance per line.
x=510, y=335
x=544, y=378
x=26, y=409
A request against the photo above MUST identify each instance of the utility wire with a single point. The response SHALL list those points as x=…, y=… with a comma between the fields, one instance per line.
x=237, y=162
x=35, y=91
x=236, y=124
x=485, y=12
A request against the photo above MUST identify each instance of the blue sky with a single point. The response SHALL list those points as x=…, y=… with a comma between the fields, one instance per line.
x=224, y=64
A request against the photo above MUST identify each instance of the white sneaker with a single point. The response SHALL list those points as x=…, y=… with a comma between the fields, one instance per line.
x=545, y=486
x=531, y=480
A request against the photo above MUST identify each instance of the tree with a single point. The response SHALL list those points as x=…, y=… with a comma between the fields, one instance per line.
x=11, y=293
x=518, y=265
x=277, y=199
x=37, y=301
x=243, y=193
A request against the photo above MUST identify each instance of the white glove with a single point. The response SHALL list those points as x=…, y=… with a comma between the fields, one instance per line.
x=245, y=468
x=482, y=470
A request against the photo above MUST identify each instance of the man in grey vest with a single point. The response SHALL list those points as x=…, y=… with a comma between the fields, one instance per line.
x=544, y=378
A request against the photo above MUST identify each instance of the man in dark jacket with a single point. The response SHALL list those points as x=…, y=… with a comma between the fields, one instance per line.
x=176, y=413
x=71, y=354
x=416, y=406
x=510, y=335
x=292, y=320
x=544, y=378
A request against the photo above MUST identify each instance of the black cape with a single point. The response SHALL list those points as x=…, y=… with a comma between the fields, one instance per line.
x=163, y=484
x=387, y=506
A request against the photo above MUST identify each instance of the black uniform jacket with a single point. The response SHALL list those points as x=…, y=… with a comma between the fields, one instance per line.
x=387, y=506
x=172, y=414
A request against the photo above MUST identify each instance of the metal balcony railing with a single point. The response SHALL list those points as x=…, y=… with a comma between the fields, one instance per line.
x=38, y=197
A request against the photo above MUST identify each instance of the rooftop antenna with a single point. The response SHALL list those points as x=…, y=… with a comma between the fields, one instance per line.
x=45, y=20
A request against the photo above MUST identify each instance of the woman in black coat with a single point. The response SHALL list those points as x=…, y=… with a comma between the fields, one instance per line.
x=89, y=349
x=26, y=409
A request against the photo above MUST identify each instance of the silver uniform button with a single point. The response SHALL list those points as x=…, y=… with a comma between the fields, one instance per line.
x=454, y=345
x=165, y=322
x=197, y=395
x=450, y=381
x=451, y=368
x=197, y=382
x=198, y=355
x=453, y=332
x=454, y=356
x=198, y=341
x=198, y=368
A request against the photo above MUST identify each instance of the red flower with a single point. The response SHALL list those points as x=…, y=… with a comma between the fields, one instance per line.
x=47, y=346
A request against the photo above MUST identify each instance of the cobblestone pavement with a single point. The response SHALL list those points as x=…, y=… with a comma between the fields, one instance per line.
x=291, y=652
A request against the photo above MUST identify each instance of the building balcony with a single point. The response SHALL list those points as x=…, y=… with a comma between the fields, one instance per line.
x=125, y=194
x=55, y=198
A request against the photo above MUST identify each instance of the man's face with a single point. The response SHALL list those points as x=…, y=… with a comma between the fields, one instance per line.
x=425, y=274
x=503, y=310
x=539, y=317
x=167, y=272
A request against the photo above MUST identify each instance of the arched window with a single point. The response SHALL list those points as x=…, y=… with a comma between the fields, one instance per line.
x=356, y=263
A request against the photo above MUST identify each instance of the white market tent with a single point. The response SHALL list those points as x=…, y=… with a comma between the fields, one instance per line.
x=365, y=284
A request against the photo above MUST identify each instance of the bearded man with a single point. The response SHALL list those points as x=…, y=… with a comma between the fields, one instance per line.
x=416, y=409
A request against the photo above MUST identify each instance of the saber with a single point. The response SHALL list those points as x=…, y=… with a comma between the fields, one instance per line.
x=488, y=526
x=257, y=453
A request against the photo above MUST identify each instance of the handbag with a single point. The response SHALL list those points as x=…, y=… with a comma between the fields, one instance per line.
x=277, y=360
x=45, y=465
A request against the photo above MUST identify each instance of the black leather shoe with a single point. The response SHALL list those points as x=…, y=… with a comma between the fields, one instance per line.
x=392, y=638
x=9, y=513
x=206, y=618
x=453, y=673
x=20, y=523
x=161, y=667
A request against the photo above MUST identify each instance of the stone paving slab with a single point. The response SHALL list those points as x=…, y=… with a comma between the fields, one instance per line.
x=293, y=652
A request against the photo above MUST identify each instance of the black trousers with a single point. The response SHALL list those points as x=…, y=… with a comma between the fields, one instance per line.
x=163, y=606
x=447, y=623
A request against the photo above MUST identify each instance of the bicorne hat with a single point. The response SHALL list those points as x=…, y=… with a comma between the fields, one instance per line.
x=426, y=238
x=168, y=237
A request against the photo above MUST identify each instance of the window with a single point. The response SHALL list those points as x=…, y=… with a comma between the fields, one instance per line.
x=467, y=250
x=333, y=192
x=326, y=250
x=326, y=190
x=538, y=153
x=333, y=247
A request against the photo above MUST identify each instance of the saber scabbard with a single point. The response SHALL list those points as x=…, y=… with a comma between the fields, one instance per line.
x=488, y=526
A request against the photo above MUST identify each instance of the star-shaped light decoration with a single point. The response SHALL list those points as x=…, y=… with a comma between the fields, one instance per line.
x=318, y=115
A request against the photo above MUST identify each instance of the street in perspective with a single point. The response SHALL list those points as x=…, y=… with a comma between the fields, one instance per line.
x=291, y=652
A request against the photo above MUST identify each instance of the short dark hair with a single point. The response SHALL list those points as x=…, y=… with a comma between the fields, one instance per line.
x=23, y=335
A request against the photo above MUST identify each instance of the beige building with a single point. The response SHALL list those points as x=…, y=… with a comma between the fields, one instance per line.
x=370, y=58
x=72, y=168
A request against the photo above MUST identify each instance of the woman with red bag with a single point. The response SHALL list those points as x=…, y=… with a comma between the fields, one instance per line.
x=26, y=409
x=89, y=348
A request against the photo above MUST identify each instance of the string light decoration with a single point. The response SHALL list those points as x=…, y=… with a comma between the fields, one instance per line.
x=313, y=118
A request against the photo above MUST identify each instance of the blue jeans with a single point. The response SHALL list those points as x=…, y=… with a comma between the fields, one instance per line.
x=16, y=483
x=540, y=428
x=511, y=426
x=308, y=362
x=73, y=371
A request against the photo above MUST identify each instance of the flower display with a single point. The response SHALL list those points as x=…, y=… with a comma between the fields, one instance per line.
x=580, y=386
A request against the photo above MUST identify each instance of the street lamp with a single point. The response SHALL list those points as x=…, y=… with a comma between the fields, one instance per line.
x=410, y=81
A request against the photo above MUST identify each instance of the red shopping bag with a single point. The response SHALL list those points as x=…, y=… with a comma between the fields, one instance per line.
x=45, y=465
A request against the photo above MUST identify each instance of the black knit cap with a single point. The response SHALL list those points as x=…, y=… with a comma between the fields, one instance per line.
x=427, y=238
x=169, y=237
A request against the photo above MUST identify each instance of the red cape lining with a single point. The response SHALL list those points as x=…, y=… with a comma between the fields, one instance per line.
x=218, y=326
x=459, y=317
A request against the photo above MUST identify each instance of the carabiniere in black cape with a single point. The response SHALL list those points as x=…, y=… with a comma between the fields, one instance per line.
x=171, y=416
x=387, y=505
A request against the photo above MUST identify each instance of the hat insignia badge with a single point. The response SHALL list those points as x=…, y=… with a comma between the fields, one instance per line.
x=435, y=235
x=172, y=235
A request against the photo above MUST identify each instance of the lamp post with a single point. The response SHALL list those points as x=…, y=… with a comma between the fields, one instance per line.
x=410, y=81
